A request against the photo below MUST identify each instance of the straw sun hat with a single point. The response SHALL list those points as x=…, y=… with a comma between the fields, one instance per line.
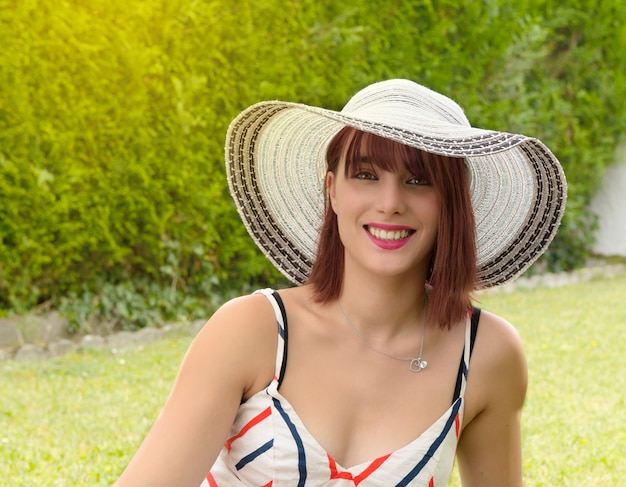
x=275, y=163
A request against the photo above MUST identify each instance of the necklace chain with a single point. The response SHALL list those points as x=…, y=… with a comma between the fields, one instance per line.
x=416, y=364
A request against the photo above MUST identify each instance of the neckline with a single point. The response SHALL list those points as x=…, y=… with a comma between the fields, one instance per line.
x=273, y=392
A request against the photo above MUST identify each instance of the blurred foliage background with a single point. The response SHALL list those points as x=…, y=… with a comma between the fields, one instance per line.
x=113, y=200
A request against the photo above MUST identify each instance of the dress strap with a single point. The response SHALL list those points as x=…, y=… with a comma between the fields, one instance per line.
x=281, y=321
x=471, y=328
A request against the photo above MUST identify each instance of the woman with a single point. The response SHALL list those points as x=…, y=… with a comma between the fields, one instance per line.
x=375, y=370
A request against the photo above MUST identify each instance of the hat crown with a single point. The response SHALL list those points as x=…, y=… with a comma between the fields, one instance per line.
x=401, y=98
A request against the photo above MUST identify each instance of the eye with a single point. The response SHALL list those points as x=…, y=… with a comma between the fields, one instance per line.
x=418, y=181
x=365, y=175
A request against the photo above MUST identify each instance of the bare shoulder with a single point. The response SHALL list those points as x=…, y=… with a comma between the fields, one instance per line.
x=497, y=338
x=230, y=359
x=243, y=332
x=243, y=319
x=489, y=450
x=498, y=370
x=250, y=313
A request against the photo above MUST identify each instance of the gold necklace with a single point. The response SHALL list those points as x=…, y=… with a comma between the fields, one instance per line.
x=416, y=364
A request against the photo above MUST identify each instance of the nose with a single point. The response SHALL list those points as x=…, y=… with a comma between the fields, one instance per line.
x=390, y=198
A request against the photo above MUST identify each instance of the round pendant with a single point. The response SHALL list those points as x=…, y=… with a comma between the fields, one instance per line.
x=417, y=365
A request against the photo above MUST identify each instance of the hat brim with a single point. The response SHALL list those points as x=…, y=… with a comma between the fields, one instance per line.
x=275, y=163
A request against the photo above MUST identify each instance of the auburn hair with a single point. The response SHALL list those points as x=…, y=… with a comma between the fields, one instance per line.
x=452, y=272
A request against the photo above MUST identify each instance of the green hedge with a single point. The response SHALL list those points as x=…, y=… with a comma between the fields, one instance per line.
x=113, y=114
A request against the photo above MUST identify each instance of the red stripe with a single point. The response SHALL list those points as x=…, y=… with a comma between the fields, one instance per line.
x=269, y=484
x=333, y=468
x=369, y=470
x=334, y=474
x=457, y=424
x=211, y=479
x=253, y=422
x=432, y=482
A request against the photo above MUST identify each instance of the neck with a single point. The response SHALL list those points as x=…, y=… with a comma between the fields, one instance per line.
x=381, y=306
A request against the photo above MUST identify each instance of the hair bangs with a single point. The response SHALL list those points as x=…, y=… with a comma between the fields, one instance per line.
x=384, y=154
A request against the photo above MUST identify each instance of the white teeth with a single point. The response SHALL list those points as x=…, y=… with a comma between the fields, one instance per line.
x=388, y=235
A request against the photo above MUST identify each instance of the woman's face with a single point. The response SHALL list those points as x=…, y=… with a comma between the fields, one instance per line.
x=387, y=219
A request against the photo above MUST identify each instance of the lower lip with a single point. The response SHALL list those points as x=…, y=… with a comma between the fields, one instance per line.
x=388, y=244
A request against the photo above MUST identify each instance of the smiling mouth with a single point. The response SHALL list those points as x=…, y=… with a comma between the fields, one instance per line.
x=380, y=234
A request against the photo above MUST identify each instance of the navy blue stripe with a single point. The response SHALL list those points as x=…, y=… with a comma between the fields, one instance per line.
x=459, y=378
x=433, y=448
x=251, y=456
x=475, y=320
x=283, y=331
x=463, y=367
x=297, y=439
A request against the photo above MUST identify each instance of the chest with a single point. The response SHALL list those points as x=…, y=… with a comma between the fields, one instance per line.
x=362, y=406
x=270, y=443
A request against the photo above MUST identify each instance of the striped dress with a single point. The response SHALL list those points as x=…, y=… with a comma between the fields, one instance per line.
x=270, y=446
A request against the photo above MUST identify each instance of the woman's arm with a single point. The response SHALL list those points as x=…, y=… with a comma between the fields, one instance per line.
x=489, y=451
x=231, y=356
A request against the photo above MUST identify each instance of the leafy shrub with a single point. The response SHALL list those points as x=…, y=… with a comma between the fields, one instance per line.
x=113, y=114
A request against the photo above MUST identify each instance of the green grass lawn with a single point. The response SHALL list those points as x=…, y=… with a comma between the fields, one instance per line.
x=76, y=420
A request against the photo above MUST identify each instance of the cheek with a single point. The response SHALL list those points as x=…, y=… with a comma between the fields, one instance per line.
x=430, y=208
x=431, y=216
x=349, y=206
x=340, y=197
x=436, y=211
